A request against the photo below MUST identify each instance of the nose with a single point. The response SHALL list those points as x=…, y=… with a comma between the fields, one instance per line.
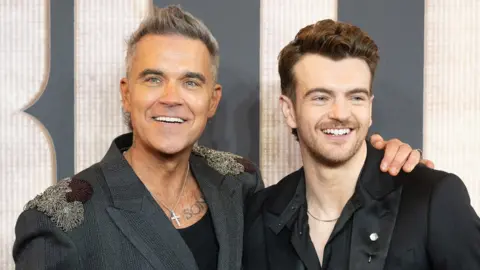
x=340, y=111
x=170, y=95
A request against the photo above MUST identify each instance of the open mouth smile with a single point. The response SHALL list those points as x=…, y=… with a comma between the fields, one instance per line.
x=337, y=131
x=170, y=120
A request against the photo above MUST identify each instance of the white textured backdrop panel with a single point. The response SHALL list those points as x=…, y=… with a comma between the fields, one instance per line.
x=26, y=160
x=279, y=22
x=101, y=31
x=452, y=89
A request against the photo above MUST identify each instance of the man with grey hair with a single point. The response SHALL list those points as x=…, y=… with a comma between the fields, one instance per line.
x=156, y=200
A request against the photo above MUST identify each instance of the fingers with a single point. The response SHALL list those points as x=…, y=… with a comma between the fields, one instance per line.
x=398, y=155
x=412, y=161
x=402, y=154
x=391, y=149
x=428, y=163
x=377, y=141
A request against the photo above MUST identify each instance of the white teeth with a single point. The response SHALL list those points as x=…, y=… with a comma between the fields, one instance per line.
x=169, y=119
x=337, y=132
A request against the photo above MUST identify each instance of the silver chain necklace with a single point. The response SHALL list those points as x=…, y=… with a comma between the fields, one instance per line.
x=173, y=215
x=322, y=220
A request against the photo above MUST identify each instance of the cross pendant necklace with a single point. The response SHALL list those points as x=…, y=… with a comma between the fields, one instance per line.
x=174, y=216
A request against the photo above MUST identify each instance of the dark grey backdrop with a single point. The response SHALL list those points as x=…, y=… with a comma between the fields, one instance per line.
x=397, y=27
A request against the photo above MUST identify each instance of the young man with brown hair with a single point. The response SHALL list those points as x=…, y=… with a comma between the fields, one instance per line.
x=340, y=211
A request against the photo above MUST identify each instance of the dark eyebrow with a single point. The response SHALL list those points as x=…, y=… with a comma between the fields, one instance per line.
x=149, y=71
x=330, y=92
x=359, y=91
x=318, y=90
x=188, y=74
x=195, y=75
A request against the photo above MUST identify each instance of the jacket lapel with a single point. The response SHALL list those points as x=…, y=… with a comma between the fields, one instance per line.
x=373, y=224
x=224, y=199
x=140, y=219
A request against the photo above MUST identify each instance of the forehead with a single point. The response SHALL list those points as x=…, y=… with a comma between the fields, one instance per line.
x=316, y=71
x=171, y=53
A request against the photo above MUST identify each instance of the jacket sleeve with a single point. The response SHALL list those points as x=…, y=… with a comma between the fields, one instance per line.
x=454, y=227
x=254, y=248
x=251, y=180
x=259, y=184
x=40, y=244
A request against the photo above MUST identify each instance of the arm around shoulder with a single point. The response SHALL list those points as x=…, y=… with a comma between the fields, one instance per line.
x=454, y=227
x=40, y=244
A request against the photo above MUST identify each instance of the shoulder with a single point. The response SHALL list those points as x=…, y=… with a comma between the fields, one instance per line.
x=424, y=177
x=64, y=202
x=435, y=186
x=448, y=189
x=53, y=221
x=452, y=222
x=226, y=163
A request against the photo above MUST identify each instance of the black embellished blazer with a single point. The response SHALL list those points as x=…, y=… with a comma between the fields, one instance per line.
x=104, y=217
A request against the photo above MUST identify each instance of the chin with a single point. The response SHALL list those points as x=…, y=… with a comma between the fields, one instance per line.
x=170, y=149
x=333, y=160
x=334, y=156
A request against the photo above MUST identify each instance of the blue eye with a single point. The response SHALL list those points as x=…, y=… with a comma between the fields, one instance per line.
x=320, y=98
x=358, y=98
x=192, y=84
x=153, y=80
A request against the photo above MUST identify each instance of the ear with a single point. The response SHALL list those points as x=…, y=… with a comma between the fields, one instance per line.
x=125, y=94
x=215, y=100
x=288, y=111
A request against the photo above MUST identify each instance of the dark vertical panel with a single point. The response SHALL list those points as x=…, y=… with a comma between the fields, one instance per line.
x=398, y=29
x=236, y=25
x=55, y=107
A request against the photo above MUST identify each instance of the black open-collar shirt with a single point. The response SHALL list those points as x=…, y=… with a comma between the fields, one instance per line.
x=337, y=250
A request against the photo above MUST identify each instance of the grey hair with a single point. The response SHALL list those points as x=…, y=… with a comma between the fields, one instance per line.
x=172, y=20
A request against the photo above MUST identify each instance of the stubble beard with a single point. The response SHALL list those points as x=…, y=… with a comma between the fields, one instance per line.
x=335, y=158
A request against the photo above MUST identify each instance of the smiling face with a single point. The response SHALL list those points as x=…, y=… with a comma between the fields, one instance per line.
x=170, y=92
x=332, y=111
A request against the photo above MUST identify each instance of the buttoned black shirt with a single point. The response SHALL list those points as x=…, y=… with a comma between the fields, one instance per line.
x=337, y=250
